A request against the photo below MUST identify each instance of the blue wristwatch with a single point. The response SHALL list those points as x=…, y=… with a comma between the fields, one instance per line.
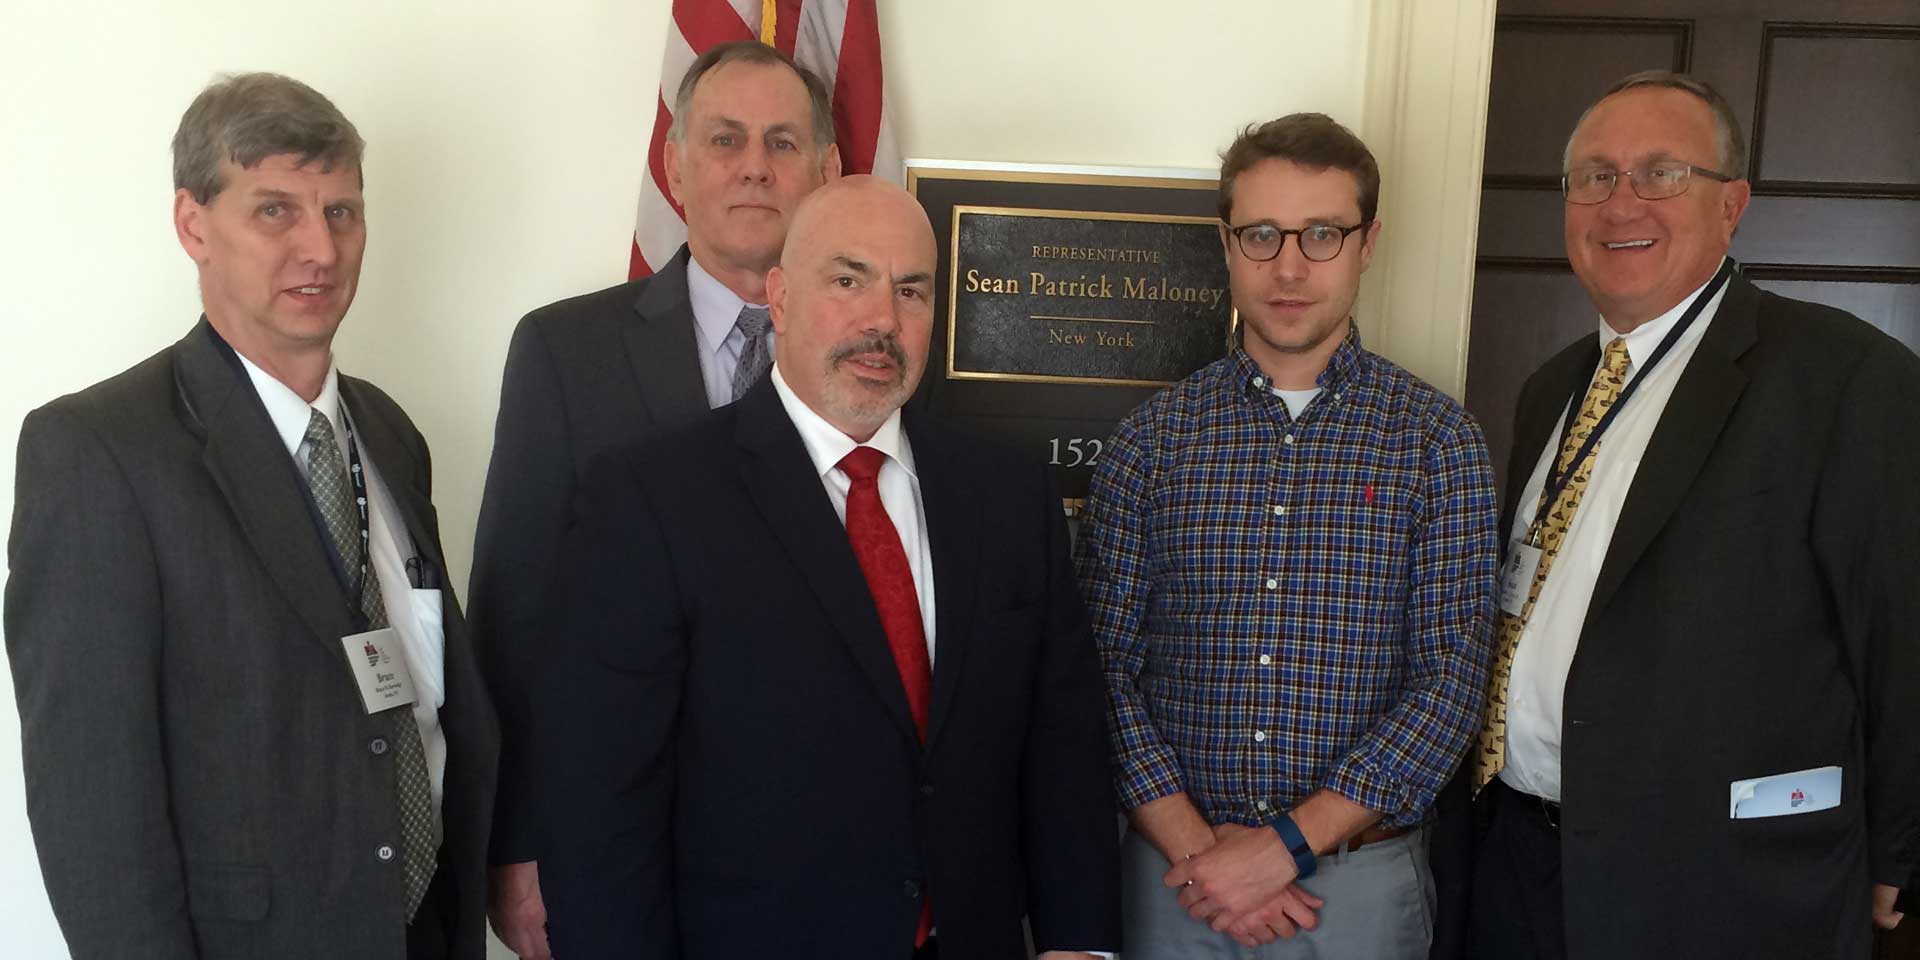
x=1303, y=859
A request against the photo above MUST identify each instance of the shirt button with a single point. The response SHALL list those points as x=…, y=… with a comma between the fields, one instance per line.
x=1260, y=383
x=385, y=853
x=1279, y=510
x=377, y=746
x=1272, y=584
x=1261, y=806
x=1266, y=659
x=1259, y=736
x=1288, y=439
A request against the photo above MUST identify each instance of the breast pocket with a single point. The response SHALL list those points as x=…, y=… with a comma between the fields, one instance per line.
x=428, y=640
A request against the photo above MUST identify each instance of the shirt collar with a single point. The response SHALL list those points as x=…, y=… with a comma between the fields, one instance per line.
x=826, y=445
x=289, y=413
x=1341, y=369
x=1344, y=363
x=715, y=308
x=1645, y=338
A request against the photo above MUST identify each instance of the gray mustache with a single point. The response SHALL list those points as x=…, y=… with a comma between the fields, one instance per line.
x=888, y=344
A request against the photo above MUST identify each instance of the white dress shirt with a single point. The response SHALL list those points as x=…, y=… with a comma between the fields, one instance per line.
x=899, y=486
x=1536, y=690
x=414, y=614
x=716, y=310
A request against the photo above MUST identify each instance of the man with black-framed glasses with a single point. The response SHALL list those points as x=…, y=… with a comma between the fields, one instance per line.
x=1700, y=736
x=1289, y=561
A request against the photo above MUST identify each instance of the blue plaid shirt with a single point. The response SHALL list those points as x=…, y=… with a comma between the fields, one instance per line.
x=1283, y=605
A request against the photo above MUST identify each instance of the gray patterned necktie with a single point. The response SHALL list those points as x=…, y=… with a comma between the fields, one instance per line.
x=333, y=494
x=755, y=357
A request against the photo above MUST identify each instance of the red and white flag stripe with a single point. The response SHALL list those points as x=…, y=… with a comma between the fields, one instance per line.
x=837, y=39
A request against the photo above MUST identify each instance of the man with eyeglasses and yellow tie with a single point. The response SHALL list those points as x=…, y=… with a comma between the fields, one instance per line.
x=1289, y=560
x=1701, y=734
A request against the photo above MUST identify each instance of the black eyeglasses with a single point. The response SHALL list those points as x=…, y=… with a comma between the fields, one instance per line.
x=1657, y=181
x=1320, y=242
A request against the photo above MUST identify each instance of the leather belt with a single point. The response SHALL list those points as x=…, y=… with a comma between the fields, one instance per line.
x=1374, y=835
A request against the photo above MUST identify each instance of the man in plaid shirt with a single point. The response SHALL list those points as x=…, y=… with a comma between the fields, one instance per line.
x=1289, y=558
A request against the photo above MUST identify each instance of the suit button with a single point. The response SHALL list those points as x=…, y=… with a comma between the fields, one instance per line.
x=377, y=746
x=912, y=890
x=385, y=853
x=926, y=789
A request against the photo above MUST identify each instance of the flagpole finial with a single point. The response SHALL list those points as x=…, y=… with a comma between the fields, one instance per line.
x=768, y=17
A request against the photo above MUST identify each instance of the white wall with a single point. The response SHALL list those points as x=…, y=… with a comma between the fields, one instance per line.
x=506, y=142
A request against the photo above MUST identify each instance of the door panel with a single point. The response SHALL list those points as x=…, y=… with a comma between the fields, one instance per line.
x=1856, y=131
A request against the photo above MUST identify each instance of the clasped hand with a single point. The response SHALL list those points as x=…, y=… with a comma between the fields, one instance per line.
x=1244, y=886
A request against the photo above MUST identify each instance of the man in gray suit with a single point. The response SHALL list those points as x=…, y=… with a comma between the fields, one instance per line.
x=251, y=721
x=752, y=135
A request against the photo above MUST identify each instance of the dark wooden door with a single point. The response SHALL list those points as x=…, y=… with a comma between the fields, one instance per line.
x=1831, y=112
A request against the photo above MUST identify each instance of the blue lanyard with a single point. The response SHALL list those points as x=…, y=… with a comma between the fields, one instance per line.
x=1556, y=481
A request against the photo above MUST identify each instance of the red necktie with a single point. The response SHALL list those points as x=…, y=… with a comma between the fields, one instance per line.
x=876, y=544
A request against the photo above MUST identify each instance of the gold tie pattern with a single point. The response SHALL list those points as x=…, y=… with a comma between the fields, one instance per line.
x=1490, y=751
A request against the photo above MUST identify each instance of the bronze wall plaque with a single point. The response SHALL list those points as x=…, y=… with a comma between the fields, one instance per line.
x=1130, y=295
x=1080, y=297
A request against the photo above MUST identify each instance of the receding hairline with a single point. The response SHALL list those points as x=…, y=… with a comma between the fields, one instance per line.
x=854, y=188
x=813, y=89
x=1723, y=127
x=797, y=82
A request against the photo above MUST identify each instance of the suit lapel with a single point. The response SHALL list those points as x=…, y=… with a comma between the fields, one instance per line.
x=1695, y=413
x=662, y=348
x=250, y=465
x=1542, y=406
x=780, y=478
x=953, y=532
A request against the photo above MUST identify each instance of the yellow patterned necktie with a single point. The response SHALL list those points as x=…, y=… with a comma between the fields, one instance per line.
x=1547, y=533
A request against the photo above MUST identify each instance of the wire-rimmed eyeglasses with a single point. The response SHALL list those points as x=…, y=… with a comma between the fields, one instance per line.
x=1656, y=181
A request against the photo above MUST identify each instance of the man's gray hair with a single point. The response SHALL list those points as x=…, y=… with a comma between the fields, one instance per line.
x=248, y=117
x=1726, y=126
x=819, y=98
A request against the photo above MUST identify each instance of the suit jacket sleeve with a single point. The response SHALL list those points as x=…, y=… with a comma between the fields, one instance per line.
x=1866, y=532
x=605, y=729
x=1071, y=824
x=523, y=517
x=85, y=637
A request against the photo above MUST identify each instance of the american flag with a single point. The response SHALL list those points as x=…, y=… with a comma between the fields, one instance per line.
x=837, y=39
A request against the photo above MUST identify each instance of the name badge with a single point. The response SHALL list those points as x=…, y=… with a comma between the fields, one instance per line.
x=381, y=671
x=1516, y=576
x=1785, y=794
